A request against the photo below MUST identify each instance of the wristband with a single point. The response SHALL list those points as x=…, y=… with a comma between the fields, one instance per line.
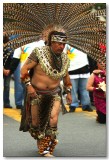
x=26, y=79
x=28, y=84
x=68, y=90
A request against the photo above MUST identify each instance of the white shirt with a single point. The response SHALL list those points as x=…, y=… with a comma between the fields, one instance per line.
x=78, y=59
x=23, y=52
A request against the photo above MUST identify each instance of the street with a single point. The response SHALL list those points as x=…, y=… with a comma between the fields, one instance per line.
x=79, y=135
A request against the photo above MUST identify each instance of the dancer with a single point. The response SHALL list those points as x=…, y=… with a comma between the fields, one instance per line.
x=43, y=100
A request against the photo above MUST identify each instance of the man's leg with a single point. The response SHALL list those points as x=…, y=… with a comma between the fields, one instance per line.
x=51, y=131
x=35, y=121
x=47, y=140
x=55, y=114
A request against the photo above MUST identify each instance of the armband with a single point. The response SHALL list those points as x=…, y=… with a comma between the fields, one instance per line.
x=26, y=80
x=68, y=90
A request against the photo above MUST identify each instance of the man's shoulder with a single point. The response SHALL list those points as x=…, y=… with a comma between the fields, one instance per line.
x=41, y=48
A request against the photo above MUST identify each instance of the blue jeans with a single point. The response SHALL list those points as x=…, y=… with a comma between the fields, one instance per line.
x=19, y=91
x=6, y=91
x=79, y=84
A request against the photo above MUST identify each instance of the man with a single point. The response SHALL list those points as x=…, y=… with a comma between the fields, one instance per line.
x=43, y=101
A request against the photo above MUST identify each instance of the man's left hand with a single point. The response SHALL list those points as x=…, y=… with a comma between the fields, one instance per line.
x=69, y=98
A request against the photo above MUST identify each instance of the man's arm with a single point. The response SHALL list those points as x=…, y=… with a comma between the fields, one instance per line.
x=26, y=67
x=68, y=87
x=29, y=64
x=67, y=82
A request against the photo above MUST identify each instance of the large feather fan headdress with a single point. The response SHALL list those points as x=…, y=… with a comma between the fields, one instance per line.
x=32, y=20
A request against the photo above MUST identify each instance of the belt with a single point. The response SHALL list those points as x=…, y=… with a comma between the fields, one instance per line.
x=49, y=92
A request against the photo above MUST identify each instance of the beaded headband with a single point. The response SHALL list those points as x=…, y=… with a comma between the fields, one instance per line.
x=59, y=38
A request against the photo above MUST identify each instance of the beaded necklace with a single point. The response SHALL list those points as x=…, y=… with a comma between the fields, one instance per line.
x=56, y=61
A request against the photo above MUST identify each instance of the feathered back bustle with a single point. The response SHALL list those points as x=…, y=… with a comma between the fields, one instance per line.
x=31, y=21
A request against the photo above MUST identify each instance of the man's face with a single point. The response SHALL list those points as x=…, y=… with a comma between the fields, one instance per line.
x=57, y=47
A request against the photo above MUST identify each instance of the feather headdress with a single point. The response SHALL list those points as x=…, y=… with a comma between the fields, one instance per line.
x=31, y=21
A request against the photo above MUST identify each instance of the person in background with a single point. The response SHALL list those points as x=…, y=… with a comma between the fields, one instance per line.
x=79, y=73
x=7, y=58
x=97, y=84
x=43, y=96
x=92, y=67
x=15, y=71
x=11, y=69
x=19, y=57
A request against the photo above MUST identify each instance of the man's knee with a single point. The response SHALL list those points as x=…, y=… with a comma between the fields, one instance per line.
x=53, y=120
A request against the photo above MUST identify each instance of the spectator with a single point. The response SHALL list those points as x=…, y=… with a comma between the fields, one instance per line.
x=97, y=84
x=7, y=58
x=19, y=57
x=92, y=67
x=18, y=89
x=79, y=73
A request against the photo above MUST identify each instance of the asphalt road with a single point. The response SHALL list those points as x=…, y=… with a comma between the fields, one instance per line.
x=79, y=136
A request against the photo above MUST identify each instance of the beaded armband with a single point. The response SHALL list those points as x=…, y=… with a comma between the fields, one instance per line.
x=68, y=90
x=27, y=81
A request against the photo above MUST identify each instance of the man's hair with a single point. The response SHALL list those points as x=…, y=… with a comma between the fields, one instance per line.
x=55, y=33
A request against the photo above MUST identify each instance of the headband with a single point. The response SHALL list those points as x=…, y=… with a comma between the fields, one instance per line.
x=59, y=38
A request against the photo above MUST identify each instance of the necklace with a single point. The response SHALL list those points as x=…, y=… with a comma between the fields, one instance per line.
x=45, y=58
x=56, y=61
